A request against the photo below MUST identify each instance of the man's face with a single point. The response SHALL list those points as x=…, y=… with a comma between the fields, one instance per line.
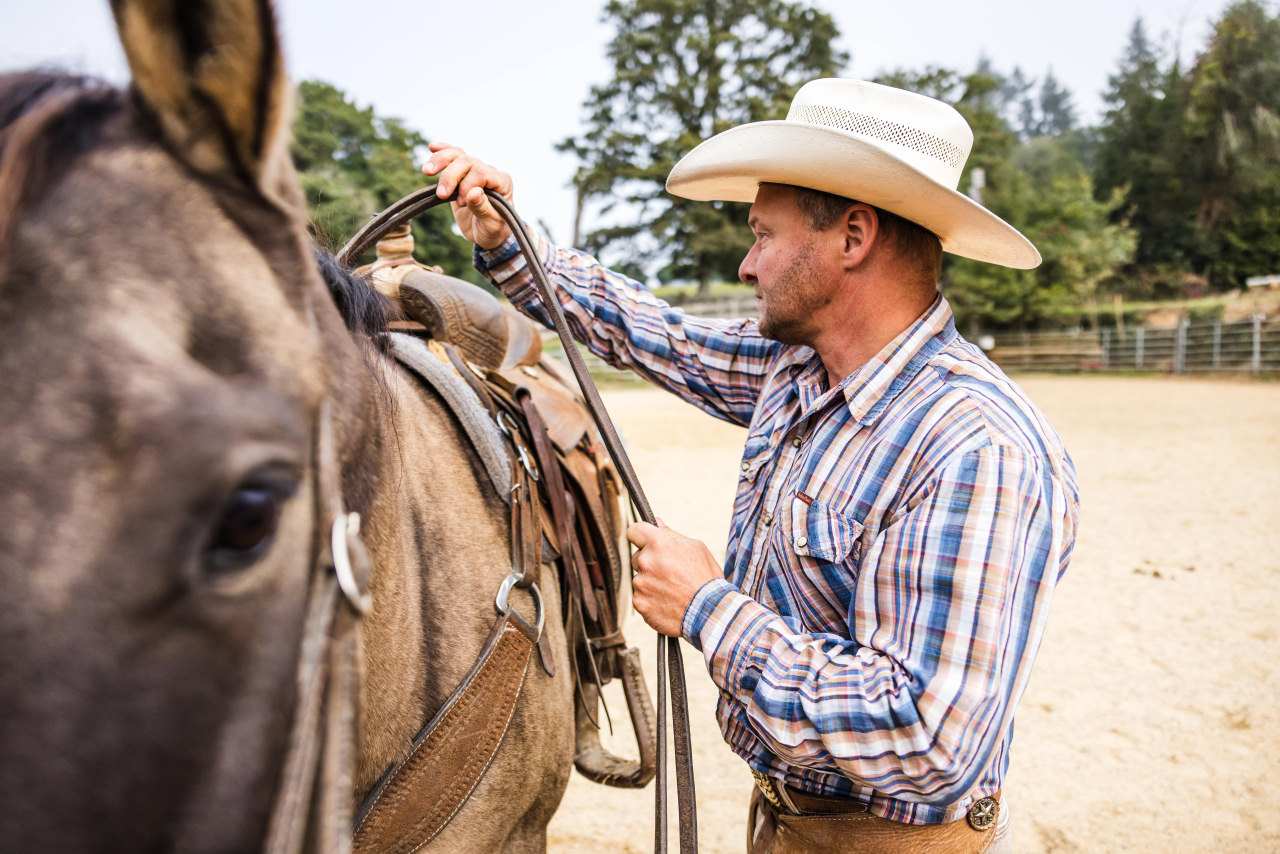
x=791, y=266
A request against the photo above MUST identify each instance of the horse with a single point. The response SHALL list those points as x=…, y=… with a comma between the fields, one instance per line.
x=175, y=367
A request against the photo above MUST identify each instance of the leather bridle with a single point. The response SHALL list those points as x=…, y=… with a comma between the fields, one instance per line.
x=317, y=778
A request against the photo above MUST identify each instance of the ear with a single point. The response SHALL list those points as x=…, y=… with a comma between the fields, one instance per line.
x=860, y=230
x=211, y=72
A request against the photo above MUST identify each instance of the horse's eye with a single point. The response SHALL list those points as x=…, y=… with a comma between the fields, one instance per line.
x=246, y=527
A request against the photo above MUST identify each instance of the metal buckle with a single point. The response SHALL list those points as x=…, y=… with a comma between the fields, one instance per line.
x=512, y=432
x=504, y=606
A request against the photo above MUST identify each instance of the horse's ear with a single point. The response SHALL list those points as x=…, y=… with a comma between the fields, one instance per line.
x=211, y=72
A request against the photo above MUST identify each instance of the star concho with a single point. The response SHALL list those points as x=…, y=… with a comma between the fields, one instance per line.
x=983, y=813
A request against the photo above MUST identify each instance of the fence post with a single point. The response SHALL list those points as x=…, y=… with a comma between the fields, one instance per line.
x=1106, y=349
x=1255, y=365
x=1137, y=347
x=1217, y=345
x=1180, y=348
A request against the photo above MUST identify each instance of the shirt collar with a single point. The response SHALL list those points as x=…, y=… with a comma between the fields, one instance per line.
x=869, y=390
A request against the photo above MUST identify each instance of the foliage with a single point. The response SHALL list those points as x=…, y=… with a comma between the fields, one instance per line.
x=1175, y=192
x=354, y=163
x=1234, y=130
x=1142, y=155
x=684, y=70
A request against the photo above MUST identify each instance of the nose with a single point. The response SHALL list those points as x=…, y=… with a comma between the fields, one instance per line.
x=747, y=269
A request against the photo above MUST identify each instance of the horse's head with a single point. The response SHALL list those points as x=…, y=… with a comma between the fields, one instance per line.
x=165, y=346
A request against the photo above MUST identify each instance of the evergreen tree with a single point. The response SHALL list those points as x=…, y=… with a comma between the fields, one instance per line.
x=1142, y=155
x=1234, y=132
x=684, y=70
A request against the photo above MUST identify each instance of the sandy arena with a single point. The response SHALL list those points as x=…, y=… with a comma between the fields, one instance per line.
x=1153, y=718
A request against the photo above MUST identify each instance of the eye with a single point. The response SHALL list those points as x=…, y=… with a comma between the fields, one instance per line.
x=247, y=523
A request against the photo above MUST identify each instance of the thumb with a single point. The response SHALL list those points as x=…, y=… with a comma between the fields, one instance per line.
x=489, y=228
x=639, y=534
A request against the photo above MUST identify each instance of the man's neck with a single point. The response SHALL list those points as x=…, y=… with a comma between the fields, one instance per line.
x=863, y=323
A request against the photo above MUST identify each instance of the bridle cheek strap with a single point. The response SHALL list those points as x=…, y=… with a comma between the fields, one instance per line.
x=314, y=796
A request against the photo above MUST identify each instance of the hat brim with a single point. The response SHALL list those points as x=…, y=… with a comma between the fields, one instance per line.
x=731, y=165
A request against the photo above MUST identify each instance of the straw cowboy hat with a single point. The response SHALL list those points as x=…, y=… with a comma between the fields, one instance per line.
x=886, y=147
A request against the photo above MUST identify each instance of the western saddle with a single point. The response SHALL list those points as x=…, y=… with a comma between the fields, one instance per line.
x=577, y=515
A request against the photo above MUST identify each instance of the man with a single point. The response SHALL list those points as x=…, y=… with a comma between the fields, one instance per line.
x=903, y=513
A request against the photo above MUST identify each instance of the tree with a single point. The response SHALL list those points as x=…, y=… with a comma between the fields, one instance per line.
x=685, y=70
x=1234, y=132
x=1047, y=193
x=1041, y=185
x=1142, y=151
x=354, y=163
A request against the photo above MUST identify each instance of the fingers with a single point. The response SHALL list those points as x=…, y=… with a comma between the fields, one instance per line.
x=457, y=170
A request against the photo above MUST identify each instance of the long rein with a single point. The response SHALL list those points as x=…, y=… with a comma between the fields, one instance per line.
x=669, y=657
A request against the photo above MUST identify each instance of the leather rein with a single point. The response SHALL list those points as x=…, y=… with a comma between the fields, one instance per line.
x=669, y=655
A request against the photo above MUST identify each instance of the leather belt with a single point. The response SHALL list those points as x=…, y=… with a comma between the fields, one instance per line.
x=981, y=816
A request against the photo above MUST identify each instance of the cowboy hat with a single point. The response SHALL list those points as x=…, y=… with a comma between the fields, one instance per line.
x=885, y=147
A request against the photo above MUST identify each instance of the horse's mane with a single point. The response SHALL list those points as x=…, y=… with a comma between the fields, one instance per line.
x=364, y=310
x=47, y=118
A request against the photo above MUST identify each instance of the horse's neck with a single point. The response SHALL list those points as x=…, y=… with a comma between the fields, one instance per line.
x=438, y=536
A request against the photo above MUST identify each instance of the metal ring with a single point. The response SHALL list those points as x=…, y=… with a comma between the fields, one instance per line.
x=504, y=606
x=346, y=528
x=505, y=424
x=530, y=465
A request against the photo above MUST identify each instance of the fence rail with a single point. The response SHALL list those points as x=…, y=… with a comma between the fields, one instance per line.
x=1250, y=346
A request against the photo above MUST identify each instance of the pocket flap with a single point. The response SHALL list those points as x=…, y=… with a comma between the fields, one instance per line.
x=818, y=531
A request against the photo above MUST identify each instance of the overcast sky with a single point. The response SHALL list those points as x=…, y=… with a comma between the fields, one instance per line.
x=506, y=78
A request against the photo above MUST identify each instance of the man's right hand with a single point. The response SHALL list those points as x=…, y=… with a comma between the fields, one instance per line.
x=477, y=219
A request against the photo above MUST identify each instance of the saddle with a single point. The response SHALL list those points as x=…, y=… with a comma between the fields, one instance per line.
x=577, y=515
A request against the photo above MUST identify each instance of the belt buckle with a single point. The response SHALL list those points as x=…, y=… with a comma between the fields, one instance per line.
x=765, y=783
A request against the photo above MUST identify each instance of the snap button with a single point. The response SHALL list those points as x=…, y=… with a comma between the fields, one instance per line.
x=746, y=466
x=796, y=442
x=801, y=542
x=767, y=519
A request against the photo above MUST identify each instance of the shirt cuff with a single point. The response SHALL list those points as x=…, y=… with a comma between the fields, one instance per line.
x=505, y=266
x=730, y=628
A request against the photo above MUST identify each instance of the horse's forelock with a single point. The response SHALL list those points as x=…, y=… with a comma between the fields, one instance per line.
x=46, y=120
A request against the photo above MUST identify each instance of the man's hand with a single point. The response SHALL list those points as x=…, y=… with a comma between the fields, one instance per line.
x=475, y=214
x=669, y=569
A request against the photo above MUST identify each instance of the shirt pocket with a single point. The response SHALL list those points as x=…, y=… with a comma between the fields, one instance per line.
x=755, y=454
x=820, y=532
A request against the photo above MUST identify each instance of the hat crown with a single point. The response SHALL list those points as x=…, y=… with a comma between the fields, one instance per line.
x=930, y=136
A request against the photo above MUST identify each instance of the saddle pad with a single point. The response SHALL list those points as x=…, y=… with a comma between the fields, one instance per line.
x=414, y=354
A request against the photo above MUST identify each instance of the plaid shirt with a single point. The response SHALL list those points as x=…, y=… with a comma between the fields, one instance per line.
x=895, y=542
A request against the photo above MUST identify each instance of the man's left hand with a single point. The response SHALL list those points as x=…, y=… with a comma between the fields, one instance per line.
x=669, y=568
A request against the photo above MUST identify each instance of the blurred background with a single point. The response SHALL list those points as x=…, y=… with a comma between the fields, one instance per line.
x=1135, y=142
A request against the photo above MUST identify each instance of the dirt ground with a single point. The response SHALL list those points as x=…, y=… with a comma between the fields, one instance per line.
x=1153, y=717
